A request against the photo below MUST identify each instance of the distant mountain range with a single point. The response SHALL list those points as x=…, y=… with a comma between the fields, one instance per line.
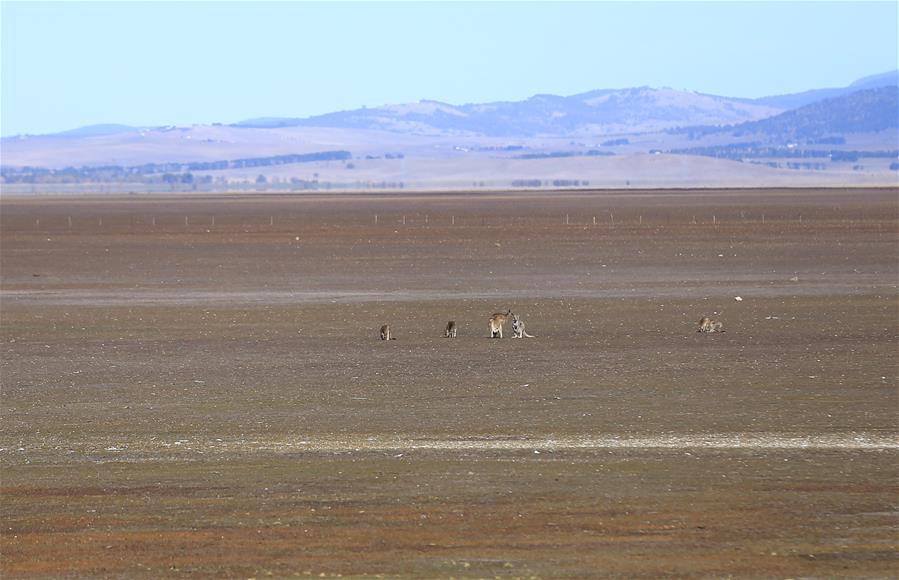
x=608, y=137
x=863, y=111
x=796, y=100
x=596, y=112
x=604, y=111
x=599, y=112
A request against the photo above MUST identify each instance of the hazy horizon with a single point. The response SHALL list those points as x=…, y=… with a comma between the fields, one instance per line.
x=73, y=64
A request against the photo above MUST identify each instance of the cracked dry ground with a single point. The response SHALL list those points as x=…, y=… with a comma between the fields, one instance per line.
x=194, y=385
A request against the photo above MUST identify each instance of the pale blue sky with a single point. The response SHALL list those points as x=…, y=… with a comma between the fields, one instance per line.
x=70, y=64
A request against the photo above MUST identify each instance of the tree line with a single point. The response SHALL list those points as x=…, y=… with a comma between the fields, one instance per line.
x=740, y=151
x=558, y=154
x=156, y=172
x=553, y=183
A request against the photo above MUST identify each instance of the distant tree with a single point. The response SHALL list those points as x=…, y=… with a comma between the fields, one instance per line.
x=261, y=179
x=844, y=156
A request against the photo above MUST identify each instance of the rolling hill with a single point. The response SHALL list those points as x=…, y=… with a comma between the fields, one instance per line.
x=864, y=111
x=796, y=100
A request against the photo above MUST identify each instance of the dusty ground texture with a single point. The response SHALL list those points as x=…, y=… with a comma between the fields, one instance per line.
x=194, y=386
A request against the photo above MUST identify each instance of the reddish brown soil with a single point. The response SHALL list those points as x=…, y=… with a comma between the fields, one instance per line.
x=195, y=385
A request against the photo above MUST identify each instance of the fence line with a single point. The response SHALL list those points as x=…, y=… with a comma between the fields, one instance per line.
x=267, y=222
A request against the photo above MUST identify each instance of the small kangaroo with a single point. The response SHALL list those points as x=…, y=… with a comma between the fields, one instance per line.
x=706, y=324
x=518, y=330
x=450, y=331
x=496, y=322
x=385, y=333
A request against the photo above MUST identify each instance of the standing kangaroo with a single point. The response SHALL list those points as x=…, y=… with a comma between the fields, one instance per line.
x=496, y=322
x=518, y=330
x=450, y=331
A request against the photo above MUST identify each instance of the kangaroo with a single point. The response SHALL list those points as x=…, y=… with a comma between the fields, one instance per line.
x=706, y=324
x=385, y=333
x=450, y=331
x=518, y=330
x=495, y=324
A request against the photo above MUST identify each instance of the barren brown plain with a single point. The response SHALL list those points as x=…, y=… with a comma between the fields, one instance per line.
x=193, y=386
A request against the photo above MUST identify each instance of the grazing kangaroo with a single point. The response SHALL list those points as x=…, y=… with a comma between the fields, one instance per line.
x=706, y=324
x=496, y=323
x=450, y=331
x=518, y=330
x=385, y=333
